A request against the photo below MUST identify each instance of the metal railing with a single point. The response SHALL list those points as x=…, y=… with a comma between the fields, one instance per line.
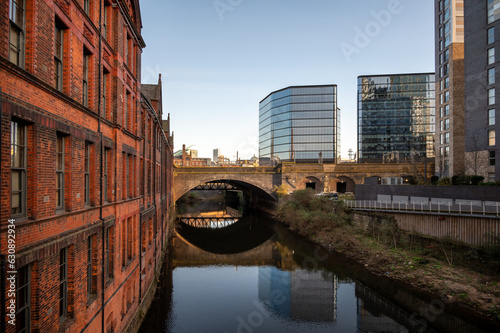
x=484, y=209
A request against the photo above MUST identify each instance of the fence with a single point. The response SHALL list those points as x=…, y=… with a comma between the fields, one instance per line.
x=482, y=208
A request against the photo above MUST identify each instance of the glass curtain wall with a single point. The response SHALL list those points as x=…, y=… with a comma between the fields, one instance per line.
x=299, y=124
x=396, y=117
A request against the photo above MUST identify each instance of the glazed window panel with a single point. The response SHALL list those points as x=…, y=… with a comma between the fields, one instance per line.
x=87, y=173
x=491, y=138
x=60, y=172
x=491, y=76
x=86, y=6
x=491, y=56
x=58, y=56
x=16, y=33
x=18, y=151
x=23, y=300
x=491, y=96
x=491, y=35
x=85, y=81
x=63, y=283
x=491, y=117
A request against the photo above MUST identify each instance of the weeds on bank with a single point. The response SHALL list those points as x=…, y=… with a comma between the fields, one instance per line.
x=315, y=216
x=309, y=214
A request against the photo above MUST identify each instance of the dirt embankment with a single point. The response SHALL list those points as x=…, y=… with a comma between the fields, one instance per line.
x=478, y=291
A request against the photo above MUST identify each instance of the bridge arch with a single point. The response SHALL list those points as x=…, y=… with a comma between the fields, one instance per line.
x=311, y=182
x=342, y=184
x=236, y=180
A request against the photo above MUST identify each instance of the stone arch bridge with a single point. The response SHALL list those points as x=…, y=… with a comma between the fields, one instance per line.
x=260, y=181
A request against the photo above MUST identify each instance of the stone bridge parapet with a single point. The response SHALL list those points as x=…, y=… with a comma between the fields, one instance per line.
x=294, y=176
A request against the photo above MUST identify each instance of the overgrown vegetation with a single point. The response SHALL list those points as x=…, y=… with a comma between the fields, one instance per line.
x=307, y=213
x=315, y=216
x=457, y=272
x=462, y=180
x=281, y=191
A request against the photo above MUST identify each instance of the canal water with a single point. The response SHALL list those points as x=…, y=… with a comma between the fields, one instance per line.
x=253, y=275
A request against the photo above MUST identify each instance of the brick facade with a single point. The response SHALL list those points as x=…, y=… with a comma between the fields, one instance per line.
x=106, y=220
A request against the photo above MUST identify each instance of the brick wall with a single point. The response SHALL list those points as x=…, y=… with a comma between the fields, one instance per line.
x=30, y=98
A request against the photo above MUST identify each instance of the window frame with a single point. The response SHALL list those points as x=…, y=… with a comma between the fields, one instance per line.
x=491, y=117
x=60, y=172
x=86, y=169
x=58, y=56
x=19, y=30
x=491, y=75
x=21, y=169
x=491, y=137
x=490, y=35
x=86, y=7
x=491, y=96
x=491, y=55
x=25, y=305
x=91, y=282
x=85, y=78
x=105, y=174
x=63, y=283
x=109, y=255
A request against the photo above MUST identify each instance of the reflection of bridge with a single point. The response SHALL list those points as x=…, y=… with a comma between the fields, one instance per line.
x=260, y=181
x=215, y=186
x=209, y=222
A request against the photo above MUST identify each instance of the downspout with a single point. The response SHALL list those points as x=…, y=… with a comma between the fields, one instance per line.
x=101, y=201
x=161, y=190
x=155, y=143
x=143, y=201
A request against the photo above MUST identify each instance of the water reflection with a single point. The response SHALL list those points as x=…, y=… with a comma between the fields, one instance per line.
x=254, y=276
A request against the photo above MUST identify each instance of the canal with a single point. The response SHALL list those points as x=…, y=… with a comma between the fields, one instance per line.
x=248, y=274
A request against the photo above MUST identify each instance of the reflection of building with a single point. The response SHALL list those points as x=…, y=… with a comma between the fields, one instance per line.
x=300, y=124
x=482, y=26
x=450, y=100
x=299, y=294
x=375, y=314
x=395, y=117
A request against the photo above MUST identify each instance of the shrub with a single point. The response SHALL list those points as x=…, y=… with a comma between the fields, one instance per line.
x=475, y=180
x=305, y=212
x=444, y=181
x=434, y=180
x=489, y=184
x=281, y=191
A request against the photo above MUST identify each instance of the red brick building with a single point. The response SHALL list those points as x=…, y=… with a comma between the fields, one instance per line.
x=187, y=160
x=86, y=168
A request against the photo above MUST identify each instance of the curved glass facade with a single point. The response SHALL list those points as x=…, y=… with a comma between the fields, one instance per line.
x=396, y=117
x=300, y=124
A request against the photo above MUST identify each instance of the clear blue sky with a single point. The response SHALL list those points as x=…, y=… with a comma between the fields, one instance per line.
x=219, y=59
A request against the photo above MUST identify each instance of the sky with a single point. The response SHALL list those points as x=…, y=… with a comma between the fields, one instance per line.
x=220, y=58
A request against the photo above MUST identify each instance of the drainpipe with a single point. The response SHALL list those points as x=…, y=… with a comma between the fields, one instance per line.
x=101, y=148
x=155, y=204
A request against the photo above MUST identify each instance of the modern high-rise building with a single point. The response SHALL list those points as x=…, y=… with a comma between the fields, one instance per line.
x=216, y=155
x=396, y=117
x=450, y=85
x=300, y=124
x=482, y=25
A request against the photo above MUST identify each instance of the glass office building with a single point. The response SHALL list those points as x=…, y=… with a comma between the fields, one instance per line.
x=300, y=124
x=396, y=117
